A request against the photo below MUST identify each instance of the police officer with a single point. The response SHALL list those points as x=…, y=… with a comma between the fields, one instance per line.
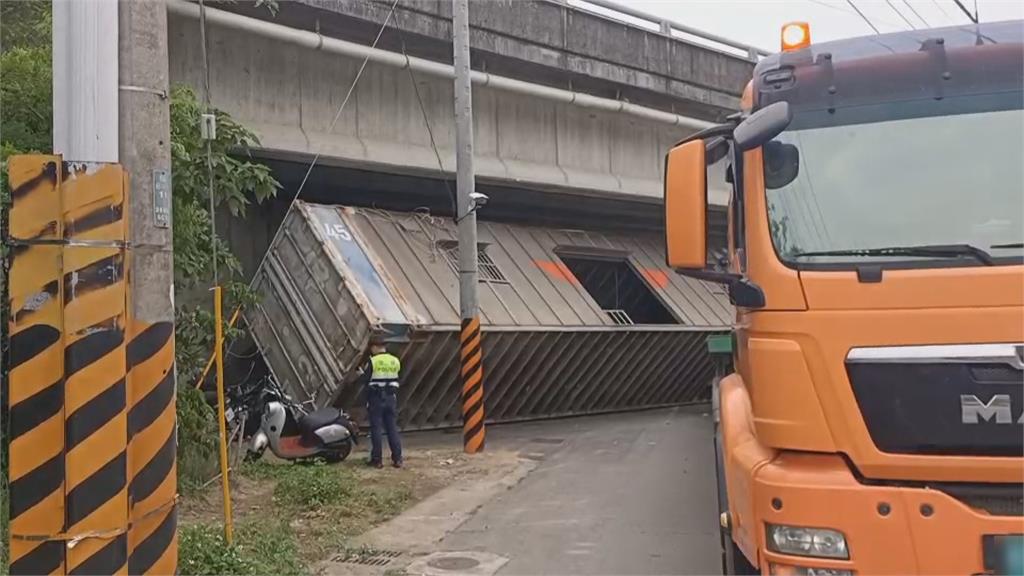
x=382, y=403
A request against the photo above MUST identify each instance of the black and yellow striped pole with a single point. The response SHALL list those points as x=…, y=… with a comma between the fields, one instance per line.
x=92, y=457
x=471, y=354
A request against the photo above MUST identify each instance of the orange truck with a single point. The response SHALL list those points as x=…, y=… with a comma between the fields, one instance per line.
x=874, y=422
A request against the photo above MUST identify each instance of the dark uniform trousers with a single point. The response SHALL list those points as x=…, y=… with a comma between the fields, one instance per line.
x=382, y=404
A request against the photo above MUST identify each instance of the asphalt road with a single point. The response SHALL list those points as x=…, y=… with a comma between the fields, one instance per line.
x=618, y=494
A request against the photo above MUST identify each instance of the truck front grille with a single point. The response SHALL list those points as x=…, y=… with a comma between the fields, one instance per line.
x=941, y=400
x=995, y=499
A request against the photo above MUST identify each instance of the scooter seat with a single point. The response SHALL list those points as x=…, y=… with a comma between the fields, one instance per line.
x=313, y=421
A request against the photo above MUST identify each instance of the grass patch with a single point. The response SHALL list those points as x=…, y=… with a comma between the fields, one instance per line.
x=291, y=516
x=260, y=548
x=326, y=505
x=308, y=487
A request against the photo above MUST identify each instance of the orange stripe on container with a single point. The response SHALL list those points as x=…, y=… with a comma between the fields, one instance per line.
x=656, y=277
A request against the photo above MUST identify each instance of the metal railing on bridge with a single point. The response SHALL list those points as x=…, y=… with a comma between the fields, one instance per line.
x=668, y=27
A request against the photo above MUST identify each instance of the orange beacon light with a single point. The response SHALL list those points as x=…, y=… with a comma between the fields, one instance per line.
x=795, y=35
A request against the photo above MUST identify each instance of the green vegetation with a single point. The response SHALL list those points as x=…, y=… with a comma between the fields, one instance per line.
x=311, y=511
x=197, y=440
x=261, y=548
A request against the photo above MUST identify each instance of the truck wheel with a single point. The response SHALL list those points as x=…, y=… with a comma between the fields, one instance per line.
x=733, y=560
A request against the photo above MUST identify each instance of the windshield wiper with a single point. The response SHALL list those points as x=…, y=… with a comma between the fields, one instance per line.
x=1010, y=245
x=930, y=250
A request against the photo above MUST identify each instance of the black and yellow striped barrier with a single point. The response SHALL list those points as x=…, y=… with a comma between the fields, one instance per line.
x=91, y=392
x=472, y=371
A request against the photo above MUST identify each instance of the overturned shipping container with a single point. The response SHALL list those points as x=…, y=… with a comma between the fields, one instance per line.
x=573, y=322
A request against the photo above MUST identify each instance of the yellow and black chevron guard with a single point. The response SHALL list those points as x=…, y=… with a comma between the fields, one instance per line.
x=89, y=491
x=36, y=386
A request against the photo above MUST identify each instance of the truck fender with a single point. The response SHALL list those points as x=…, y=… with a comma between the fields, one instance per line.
x=742, y=456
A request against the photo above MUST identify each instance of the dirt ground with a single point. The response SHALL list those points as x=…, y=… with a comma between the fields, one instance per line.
x=326, y=532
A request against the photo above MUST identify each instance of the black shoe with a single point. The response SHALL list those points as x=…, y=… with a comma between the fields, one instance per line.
x=374, y=464
x=397, y=464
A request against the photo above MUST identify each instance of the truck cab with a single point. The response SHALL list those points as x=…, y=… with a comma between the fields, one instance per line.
x=874, y=421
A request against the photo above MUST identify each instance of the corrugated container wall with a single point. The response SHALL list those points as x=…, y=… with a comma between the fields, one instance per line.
x=573, y=321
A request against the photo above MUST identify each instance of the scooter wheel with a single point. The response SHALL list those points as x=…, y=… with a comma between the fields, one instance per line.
x=340, y=453
x=252, y=456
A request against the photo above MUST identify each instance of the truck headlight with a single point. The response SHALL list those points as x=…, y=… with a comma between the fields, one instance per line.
x=800, y=541
x=787, y=570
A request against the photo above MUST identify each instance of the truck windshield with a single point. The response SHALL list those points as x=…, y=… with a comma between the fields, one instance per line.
x=844, y=186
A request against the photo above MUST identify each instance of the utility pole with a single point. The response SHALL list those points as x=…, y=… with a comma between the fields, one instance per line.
x=107, y=318
x=145, y=149
x=470, y=350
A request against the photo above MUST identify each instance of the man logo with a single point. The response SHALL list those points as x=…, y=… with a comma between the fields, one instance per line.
x=999, y=408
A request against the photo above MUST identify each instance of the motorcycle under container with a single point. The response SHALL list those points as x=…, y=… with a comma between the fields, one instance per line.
x=326, y=432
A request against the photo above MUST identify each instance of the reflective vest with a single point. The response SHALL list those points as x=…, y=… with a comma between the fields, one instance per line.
x=386, y=368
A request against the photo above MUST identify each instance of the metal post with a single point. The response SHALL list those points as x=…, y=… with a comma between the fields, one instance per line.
x=218, y=319
x=145, y=152
x=470, y=349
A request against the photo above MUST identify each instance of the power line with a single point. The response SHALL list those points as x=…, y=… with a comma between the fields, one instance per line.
x=971, y=17
x=861, y=14
x=916, y=13
x=845, y=10
x=426, y=121
x=943, y=10
x=344, y=102
x=905, y=19
x=330, y=129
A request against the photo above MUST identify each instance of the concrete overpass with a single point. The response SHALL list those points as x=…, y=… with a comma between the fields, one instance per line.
x=566, y=101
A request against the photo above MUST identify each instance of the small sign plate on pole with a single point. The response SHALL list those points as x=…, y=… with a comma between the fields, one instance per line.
x=161, y=198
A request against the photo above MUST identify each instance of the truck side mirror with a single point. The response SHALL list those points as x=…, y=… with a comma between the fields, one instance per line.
x=686, y=197
x=762, y=126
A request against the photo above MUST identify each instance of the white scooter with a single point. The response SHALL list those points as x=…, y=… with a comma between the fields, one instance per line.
x=288, y=430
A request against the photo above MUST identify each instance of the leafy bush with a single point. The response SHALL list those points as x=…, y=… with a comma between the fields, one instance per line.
x=197, y=439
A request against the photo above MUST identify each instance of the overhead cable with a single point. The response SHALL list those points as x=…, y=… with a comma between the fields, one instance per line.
x=971, y=17
x=861, y=14
x=905, y=19
x=918, y=14
x=943, y=10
